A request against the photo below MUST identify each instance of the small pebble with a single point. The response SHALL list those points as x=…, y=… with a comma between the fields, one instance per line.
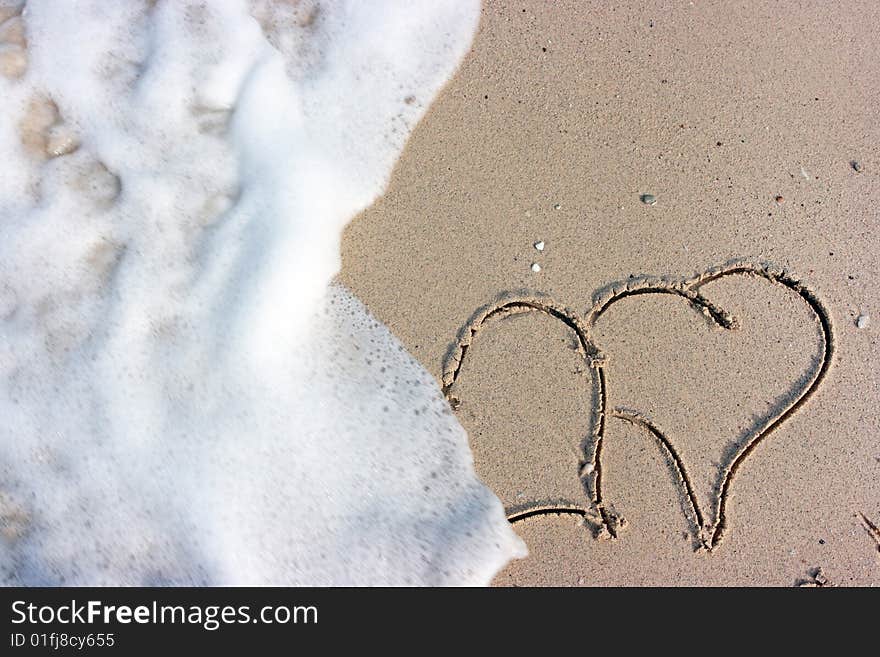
x=10, y=8
x=12, y=33
x=13, y=62
x=780, y=200
x=863, y=320
x=97, y=183
x=539, y=245
x=557, y=207
x=857, y=167
x=60, y=140
x=536, y=267
x=649, y=199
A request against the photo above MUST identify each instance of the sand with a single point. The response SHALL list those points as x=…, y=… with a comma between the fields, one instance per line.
x=743, y=121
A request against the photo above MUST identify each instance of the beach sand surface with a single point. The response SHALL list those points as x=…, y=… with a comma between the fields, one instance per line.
x=744, y=121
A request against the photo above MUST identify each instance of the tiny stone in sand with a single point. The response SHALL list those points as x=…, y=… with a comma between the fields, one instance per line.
x=857, y=167
x=780, y=200
x=649, y=199
x=539, y=245
x=863, y=320
x=536, y=267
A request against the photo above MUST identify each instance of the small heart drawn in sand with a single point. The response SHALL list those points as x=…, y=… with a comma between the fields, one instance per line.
x=709, y=519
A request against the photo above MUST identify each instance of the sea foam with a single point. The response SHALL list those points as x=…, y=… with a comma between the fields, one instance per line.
x=185, y=396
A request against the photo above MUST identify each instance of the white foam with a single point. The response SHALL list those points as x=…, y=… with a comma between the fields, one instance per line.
x=183, y=397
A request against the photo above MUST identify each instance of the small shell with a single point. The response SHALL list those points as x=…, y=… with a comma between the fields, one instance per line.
x=536, y=267
x=863, y=320
x=34, y=126
x=539, y=245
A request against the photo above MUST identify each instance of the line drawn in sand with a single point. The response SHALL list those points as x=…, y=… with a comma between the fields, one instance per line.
x=871, y=528
x=708, y=531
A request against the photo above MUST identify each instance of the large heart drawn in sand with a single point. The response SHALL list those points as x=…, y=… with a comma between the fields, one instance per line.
x=709, y=519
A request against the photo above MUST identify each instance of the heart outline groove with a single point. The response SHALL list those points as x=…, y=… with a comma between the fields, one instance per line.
x=598, y=513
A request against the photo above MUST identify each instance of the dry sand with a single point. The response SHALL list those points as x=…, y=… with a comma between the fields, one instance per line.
x=561, y=117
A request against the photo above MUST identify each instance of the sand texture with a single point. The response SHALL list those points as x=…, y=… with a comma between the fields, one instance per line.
x=685, y=393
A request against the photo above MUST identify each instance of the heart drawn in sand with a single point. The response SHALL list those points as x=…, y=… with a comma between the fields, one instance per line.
x=709, y=519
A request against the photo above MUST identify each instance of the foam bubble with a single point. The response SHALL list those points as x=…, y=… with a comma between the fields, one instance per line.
x=185, y=400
